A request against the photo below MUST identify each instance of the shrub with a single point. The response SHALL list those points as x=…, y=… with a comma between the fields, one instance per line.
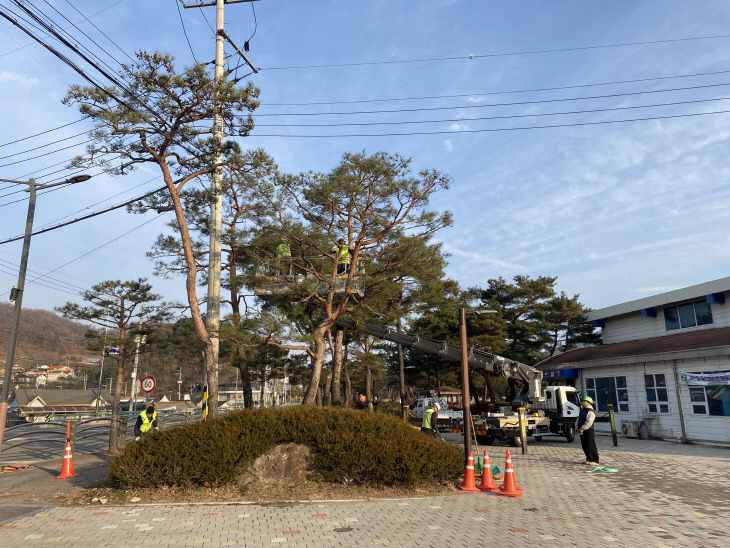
x=347, y=445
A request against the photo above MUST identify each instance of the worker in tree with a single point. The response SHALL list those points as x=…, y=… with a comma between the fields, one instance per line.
x=344, y=257
x=146, y=421
x=429, y=424
x=283, y=255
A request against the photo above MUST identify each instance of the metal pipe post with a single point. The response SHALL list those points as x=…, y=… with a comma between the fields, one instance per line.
x=465, y=397
x=16, y=311
x=613, y=424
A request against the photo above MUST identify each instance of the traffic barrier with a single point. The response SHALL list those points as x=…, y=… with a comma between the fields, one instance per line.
x=469, y=484
x=67, y=470
x=509, y=488
x=487, y=482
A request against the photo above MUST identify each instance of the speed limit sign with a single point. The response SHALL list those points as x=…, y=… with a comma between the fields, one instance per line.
x=147, y=384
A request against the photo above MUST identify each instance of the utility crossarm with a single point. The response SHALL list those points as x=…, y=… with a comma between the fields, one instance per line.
x=477, y=359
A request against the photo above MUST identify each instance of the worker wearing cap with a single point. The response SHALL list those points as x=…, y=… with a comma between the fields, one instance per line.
x=584, y=427
x=344, y=257
x=429, y=424
x=283, y=255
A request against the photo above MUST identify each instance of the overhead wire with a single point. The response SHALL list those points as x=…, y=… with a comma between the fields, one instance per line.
x=101, y=31
x=185, y=32
x=50, y=279
x=502, y=92
x=488, y=105
x=44, y=132
x=467, y=57
x=497, y=130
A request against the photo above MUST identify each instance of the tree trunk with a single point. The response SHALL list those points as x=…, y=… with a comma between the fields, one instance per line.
x=348, y=381
x=114, y=441
x=326, y=393
x=240, y=362
x=369, y=387
x=190, y=282
x=262, y=403
x=316, y=360
x=335, y=389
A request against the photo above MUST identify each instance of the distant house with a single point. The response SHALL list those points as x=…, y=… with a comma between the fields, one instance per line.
x=57, y=372
x=35, y=405
x=664, y=364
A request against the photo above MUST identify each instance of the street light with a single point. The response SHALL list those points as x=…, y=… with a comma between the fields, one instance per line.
x=465, y=396
x=16, y=293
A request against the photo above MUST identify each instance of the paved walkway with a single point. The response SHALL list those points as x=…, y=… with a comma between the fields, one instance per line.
x=663, y=495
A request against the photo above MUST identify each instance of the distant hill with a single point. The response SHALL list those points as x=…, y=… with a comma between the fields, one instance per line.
x=45, y=337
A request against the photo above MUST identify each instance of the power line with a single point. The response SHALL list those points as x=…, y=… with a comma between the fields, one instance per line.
x=43, y=146
x=101, y=31
x=502, y=92
x=48, y=153
x=495, y=130
x=467, y=57
x=185, y=32
x=488, y=105
x=96, y=248
x=60, y=283
x=44, y=132
x=35, y=41
x=504, y=117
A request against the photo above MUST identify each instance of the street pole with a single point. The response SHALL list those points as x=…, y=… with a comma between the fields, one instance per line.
x=16, y=311
x=465, y=397
x=101, y=368
x=216, y=207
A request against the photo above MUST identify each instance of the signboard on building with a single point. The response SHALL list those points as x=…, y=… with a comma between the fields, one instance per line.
x=705, y=379
x=553, y=374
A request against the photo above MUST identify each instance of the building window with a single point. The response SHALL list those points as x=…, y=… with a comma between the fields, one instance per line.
x=605, y=390
x=656, y=393
x=687, y=315
x=710, y=400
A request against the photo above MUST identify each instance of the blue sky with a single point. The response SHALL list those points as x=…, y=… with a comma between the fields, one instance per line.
x=616, y=211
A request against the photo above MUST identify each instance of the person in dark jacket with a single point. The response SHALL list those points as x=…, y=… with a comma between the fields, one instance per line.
x=362, y=402
x=584, y=427
x=146, y=421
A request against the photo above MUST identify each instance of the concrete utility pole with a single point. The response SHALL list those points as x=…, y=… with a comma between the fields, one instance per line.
x=465, y=396
x=213, y=307
x=101, y=368
x=16, y=293
x=133, y=392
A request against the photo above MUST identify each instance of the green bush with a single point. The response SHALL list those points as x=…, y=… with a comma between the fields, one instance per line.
x=348, y=446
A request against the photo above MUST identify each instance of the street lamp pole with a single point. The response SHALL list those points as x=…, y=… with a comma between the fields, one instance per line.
x=17, y=292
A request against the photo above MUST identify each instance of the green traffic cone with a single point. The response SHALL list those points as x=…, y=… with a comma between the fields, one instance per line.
x=479, y=466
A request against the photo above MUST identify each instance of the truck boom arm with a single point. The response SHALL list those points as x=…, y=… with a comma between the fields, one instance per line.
x=477, y=359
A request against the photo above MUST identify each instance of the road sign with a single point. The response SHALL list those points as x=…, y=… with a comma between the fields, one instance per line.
x=147, y=384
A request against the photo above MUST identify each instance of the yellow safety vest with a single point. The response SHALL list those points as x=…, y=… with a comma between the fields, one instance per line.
x=428, y=419
x=146, y=422
x=344, y=255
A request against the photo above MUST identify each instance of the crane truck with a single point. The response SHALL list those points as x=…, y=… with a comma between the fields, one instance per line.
x=551, y=409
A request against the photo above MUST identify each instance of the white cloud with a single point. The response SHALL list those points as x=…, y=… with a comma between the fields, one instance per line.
x=14, y=77
x=448, y=145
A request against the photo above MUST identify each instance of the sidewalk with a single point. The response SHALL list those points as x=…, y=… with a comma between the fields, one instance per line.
x=663, y=495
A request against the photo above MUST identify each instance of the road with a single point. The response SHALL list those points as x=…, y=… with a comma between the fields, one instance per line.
x=664, y=495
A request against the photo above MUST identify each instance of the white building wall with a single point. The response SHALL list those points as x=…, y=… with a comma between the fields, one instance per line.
x=633, y=326
x=664, y=425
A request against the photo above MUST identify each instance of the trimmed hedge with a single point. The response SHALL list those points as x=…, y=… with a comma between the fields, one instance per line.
x=347, y=445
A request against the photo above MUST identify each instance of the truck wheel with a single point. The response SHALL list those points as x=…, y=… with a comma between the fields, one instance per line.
x=515, y=441
x=537, y=438
x=486, y=440
x=569, y=434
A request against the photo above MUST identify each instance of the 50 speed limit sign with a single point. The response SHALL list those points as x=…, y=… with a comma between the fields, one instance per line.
x=147, y=384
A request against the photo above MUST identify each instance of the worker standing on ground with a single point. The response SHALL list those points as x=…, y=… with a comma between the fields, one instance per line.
x=146, y=420
x=283, y=255
x=584, y=427
x=429, y=424
x=344, y=257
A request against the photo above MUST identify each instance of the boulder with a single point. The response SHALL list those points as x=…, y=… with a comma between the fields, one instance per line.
x=289, y=462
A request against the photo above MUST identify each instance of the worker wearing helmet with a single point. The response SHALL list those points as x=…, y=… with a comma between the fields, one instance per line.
x=584, y=427
x=429, y=424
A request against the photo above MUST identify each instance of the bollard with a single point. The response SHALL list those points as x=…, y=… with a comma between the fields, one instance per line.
x=71, y=432
x=613, y=424
x=523, y=429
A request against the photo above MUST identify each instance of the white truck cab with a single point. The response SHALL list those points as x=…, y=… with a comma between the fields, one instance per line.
x=562, y=405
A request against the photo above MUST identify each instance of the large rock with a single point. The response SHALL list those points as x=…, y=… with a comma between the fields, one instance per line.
x=287, y=462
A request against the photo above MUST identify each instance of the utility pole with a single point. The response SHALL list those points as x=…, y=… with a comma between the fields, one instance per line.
x=213, y=306
x=101, y=368
x=465, y=397
x=16, y=293
x=133, y=392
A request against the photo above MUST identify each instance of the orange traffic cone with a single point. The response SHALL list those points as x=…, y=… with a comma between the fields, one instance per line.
x=509, y=488
x=67, y=470
x=487, y=483
x=469, y=485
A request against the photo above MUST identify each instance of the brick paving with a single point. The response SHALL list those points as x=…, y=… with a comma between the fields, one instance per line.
x=663, y=495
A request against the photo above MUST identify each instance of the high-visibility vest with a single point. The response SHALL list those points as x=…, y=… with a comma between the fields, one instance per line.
x=283, y=251
x=428, y=419
x=344, y=255
x=146, y=422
